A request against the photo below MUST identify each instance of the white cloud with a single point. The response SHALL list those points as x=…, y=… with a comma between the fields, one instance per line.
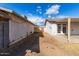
x=38, y=7
x=54, y=9
x=35, y=19
x=62, y=16
x=49, y=16
x=39, y=10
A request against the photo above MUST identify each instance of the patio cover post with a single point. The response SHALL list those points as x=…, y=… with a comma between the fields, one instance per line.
x=69, y=29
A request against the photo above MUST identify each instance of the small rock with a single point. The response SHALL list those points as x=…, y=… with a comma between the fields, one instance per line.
x=28, y=53
x=33, y=53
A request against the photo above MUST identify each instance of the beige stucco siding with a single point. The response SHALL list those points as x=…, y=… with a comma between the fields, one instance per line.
x=19, y=29
x=51, y=28
x=74, y=28
x=30, y=28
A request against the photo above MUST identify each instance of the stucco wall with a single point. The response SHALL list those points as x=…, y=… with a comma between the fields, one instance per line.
x=51, y=28
x=30, y=28
x=74, y=28
x=18, y=29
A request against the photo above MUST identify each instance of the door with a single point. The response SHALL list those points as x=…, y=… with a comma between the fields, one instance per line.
x=64, y=28
x=4, y=34
x=1, y=35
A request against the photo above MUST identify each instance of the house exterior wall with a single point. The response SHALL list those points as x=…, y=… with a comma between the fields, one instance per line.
x=74, y=28
x=13, y=30
x=52, y=28
x=18, y=29
x=30, y=29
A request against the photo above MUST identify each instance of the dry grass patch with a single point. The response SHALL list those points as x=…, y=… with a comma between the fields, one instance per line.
x=72, y=49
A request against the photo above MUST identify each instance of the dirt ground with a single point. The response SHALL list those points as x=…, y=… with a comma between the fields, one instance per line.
x=49, y=46
x=46, y=45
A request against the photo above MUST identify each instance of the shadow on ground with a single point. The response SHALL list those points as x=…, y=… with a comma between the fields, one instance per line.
x=29, y=43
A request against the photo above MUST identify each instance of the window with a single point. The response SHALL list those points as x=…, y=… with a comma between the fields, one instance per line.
x=59, y=28
x=64, y=28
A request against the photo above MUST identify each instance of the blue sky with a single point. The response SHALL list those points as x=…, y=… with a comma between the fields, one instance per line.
x=37, y=12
